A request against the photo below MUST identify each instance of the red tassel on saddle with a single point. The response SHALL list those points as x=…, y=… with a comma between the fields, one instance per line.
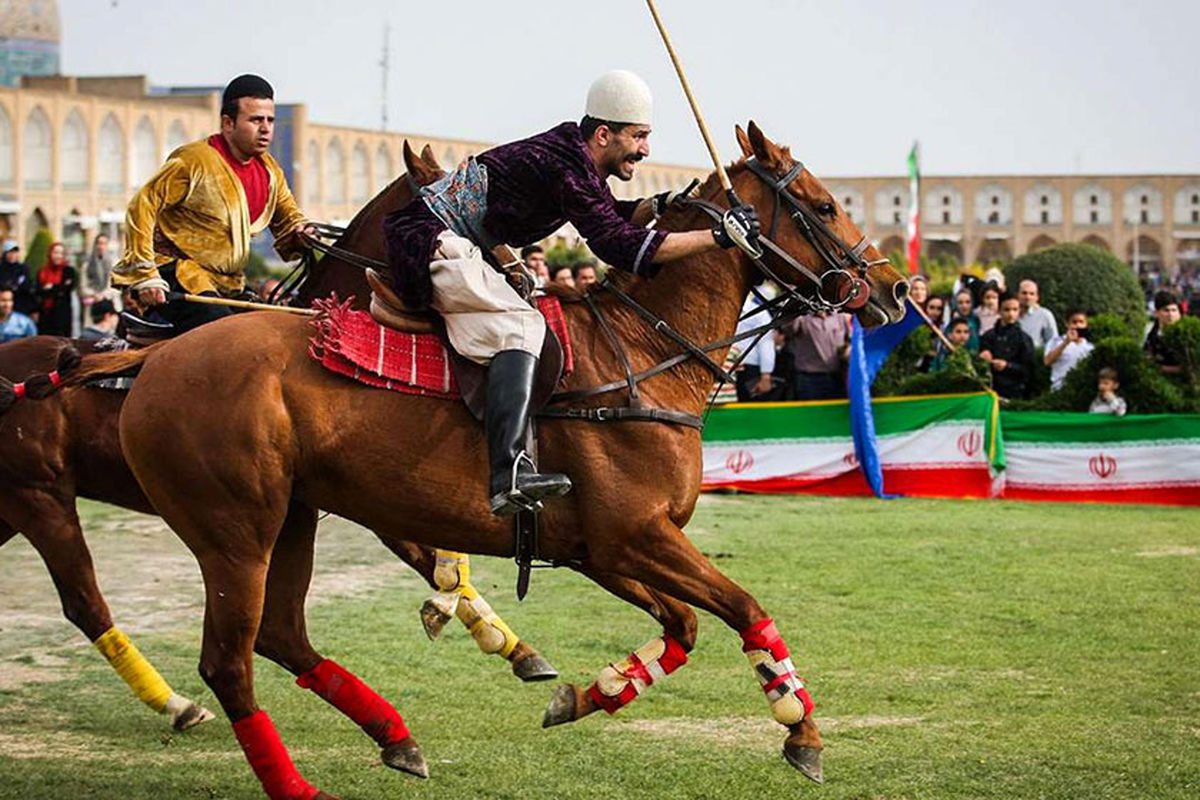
x=345, y=692
x=270, y=760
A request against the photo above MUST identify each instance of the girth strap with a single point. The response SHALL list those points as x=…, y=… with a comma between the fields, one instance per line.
x=624, y=413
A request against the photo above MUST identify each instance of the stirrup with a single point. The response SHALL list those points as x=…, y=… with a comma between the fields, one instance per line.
x=509, y=502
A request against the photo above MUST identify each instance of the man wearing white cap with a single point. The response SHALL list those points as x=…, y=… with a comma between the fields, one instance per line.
x=517, y=194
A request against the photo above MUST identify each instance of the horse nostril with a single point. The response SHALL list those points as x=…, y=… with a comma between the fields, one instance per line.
x=900, y=291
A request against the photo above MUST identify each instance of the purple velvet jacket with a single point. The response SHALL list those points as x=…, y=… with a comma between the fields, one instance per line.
x=534, y=186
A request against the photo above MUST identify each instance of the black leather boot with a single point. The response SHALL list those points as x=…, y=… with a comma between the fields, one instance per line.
x=514, y=485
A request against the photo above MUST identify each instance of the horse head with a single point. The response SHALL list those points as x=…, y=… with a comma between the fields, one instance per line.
x=819, y=250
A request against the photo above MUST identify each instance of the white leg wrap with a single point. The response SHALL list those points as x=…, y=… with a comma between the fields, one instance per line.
x=781, y=685
x=488, y=630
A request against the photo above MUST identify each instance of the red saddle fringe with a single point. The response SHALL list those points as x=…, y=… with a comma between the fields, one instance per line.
x=353, y=344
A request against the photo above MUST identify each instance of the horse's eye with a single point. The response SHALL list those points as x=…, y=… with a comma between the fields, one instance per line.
x=826, y=209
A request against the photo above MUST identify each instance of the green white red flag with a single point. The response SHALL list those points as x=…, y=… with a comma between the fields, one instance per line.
x=913, y=243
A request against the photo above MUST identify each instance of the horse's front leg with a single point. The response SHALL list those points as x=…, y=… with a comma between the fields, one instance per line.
x=662, y=557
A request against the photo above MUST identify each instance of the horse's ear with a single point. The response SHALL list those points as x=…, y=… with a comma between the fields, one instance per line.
x=743, y=142
x=766, y=151
x=410, y=158
x=429, y=158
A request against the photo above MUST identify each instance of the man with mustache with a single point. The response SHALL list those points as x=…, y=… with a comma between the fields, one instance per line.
x=517, y=194
x=189, y=228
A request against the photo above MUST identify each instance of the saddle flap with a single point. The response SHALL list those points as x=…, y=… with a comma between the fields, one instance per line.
x=471, y=377
x=389, y=310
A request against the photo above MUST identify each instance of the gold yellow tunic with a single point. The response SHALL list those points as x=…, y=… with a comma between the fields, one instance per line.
x=194, y=211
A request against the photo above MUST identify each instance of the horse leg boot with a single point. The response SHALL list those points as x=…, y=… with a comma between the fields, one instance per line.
x=456, y=596
x=283, y=638
x=54, y=532
x=623, y=682
x=665, y=559
x=514, y=485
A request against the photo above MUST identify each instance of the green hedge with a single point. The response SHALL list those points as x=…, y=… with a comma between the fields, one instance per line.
x=1081, y=276
x=39, y=248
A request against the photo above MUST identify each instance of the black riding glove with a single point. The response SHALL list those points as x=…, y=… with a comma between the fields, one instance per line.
x=738, y=227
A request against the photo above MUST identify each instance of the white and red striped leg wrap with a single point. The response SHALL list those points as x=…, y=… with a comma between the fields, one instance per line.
x=619, y=684
x=769, y=656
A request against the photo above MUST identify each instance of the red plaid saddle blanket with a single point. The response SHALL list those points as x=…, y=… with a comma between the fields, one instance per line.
x=351, y=343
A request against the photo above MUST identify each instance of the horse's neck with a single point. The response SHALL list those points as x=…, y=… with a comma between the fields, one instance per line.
x=700, y=297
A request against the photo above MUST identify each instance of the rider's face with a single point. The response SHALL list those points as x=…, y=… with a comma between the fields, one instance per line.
x=622, y=150
x=251, y=133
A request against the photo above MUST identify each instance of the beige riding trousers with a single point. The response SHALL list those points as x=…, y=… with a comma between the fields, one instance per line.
x=484, y=315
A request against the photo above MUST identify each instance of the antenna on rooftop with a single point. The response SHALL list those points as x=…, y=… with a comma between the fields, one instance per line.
x=383, y=70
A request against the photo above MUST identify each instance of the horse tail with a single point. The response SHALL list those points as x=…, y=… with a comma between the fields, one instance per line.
x=121, y=363
x=39, y=385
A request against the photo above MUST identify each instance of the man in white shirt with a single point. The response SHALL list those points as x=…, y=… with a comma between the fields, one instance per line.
x=1066, y=351
x=1037, y=322
x=754, y=379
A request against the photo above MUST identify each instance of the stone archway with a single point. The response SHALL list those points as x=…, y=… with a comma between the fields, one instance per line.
x=994, y=250
x=1187, y=255
x=1096, y=241
x=1040, y=242
x=1145, y=255
x=945, y=250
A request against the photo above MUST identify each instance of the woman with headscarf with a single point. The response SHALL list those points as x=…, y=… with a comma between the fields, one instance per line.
x=56, y=282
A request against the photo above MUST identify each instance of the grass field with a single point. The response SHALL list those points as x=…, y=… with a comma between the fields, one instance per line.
x=954, y=649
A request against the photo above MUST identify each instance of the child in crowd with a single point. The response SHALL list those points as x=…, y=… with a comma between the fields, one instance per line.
x=1107, y=400
x=988, y=310
x=959, y=334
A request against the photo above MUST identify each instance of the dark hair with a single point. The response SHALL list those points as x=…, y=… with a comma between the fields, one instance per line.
x=555, y=270
x=954, y=323
x=4, y=287
x=1164, y=298
x=1006, y=296
x=244, y=86
x=1108, y=373
x=526, y=252
x=582, y=265
x=101, y=309
x=1075, y=312
x=588, y=126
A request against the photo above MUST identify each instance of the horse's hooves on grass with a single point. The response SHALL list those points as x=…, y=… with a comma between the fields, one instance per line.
x=433, y=620
x=805, y=759
x=192, y=716
x=406, y=757
x=534, y=667
x=562, y=706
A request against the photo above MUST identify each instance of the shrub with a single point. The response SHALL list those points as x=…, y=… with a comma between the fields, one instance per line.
x=964, y=372
x=1081, y=276
x=903, y=362
x=39, y=248
x=1144, y=388
x=1111, y=326
x=1182, y=341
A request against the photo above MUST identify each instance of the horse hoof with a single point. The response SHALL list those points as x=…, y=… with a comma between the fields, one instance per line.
x=562, y=706
x=433, y=619
x=534, y=667
x=406, y=757
x=192, y=716
x=805, y=759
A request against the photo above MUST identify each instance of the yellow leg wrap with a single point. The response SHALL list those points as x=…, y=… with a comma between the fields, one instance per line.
x=489, y=631
x=134, y=669
x=452, y=571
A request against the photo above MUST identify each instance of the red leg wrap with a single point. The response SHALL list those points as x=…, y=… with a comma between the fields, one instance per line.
x=270, y=760
x=349, y=695
x=19, y=390
x=763, y=635
x=673, y=657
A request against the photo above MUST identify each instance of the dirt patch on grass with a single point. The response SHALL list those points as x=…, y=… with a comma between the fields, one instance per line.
x=1169, y=550
x=750, y=730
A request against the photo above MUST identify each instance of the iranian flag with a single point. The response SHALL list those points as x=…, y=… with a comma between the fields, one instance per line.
x=913, y=243
x=938, y=446
x=1102, y=459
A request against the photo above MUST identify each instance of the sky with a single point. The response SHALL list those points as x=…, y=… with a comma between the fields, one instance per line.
x=1012, y=87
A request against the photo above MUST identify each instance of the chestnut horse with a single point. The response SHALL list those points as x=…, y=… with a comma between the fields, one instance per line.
x=69, y=446
x=270, y=434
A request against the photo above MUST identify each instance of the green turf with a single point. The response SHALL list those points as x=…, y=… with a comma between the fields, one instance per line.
x=954, y=649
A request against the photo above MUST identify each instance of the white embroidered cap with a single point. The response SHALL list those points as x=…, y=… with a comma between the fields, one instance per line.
x=620, y=96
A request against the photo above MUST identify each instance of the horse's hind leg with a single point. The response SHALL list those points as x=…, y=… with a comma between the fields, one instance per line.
x=52, y=527
x=665, y=559
x=449, y=573
x=283, y=638
x=621, y=683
